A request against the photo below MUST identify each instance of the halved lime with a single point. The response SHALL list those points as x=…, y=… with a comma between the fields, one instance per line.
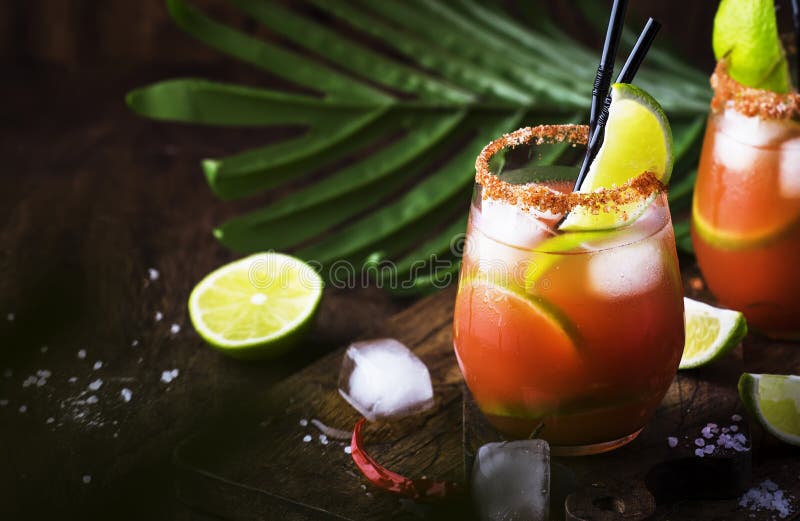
x=746, y=34
x=775, y=401
x=256, y=307
x=711, y=333
x=637, y=139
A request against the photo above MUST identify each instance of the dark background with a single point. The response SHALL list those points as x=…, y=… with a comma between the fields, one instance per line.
x=91, y=197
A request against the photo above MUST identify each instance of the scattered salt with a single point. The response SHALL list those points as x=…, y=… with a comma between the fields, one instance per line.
x=767, y=496
x=134, y=343
x=10, y=317
x=307, y=438
x=734, y=428
x=323, y=439
x=709, y=449
x=23, y=408
x=91, y=400
x=50, y=420
x=153, y=273
x=31, y=380
x=159, y=316
x=72, y=379
x=672, y=441
x=736, y=418
x=96, y=384
x=82, y=354
x=304, y=423
x=168, y=376
x=348, y=449
x=699, y=442
x=126, y=394
x=699, y=453
x=175, y=329
x=86, y=479
x=97, y=365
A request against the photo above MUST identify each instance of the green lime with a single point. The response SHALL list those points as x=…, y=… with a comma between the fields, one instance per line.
x=775, y=401
x=732, y=240
x=637, y=139
x=711, y=333
x=256, y=307
x=746, y=34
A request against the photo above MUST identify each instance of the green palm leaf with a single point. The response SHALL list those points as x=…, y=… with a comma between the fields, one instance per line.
x=405, y=94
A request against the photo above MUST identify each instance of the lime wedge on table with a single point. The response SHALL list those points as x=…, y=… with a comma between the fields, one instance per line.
x=637, y=139
x=746, y=34
x=775, y=401
x=257, y=306
x=711, y=333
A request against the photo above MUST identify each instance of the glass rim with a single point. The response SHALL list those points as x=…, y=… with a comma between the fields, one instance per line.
x=543, y=198
x=751, y=101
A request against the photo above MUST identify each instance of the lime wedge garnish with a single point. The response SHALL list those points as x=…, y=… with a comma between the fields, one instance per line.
x=257, y=306
x=746, y=34
x=637, y=139
x=710, y=333
x=775, y=401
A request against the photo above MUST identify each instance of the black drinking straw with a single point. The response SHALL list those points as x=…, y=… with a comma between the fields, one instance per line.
x=602, y=79
x=626, y=75
x=796, y=26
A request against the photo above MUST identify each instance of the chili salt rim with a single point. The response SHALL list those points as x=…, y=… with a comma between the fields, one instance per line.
x=543, y=198
x=750, y=101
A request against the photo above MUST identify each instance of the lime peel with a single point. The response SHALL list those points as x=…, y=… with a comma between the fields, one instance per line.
x=775, y=401
x=711, y=333
x=257, y=306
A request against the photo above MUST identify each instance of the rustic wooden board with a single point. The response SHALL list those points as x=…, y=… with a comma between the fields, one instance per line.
x=257, y=465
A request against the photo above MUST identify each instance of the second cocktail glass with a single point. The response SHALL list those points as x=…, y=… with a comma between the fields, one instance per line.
x=573, y=335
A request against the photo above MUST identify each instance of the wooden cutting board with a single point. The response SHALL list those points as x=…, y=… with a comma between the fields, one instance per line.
x=257, y=466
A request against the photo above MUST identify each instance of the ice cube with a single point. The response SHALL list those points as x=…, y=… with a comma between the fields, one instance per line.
x=625, y=271
x=754, y=131
x=382, y=378
x=734, y=155
x=512, y=225
x=511, y=480
x=789, y=175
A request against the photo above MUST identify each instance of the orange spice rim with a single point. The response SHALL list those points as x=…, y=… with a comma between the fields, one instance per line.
x=543, y=198
x=750, y=101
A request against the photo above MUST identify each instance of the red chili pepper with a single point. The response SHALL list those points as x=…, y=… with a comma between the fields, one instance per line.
x=378, y=475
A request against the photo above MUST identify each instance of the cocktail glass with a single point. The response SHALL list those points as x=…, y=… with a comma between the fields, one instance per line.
x=574, y=336
x=746, y=208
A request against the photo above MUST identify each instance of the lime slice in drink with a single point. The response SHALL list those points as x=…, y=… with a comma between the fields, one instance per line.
x=775, y=401
x=256, y=307
x=746, y=34
x=737, y=240
x=637, y=139
x=711, y=333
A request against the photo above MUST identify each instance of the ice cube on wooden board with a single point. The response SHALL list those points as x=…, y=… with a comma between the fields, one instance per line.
x=382, y=379
x=511, y=480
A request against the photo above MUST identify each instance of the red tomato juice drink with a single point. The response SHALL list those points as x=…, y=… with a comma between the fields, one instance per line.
x=746, y=208
x=574, y=335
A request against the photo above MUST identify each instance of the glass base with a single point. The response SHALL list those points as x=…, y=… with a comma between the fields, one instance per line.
x=595, y=448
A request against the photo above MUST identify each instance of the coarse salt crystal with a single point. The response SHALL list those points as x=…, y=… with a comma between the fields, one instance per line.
x=91, y=399
x=304, y=422
x=96, y=384
x=175, y=329
x=153, y=273
x=348, y=449
x=126, y=394
x=82, y=354
x=733, y=428
x=97, y=365
x=307, y=438
x=736, y=418
x=699, y=442
x=168, y=376
x=323, y=439
x=10, y=317
x=86, y=479
x=23, y=408
x=159, y=316
x=31, y=380
x=72, y=379
x=709, y=449
x=134, y=343
x=699, y=453
x=43, y=349
x=672, y=441
x=50, y=420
